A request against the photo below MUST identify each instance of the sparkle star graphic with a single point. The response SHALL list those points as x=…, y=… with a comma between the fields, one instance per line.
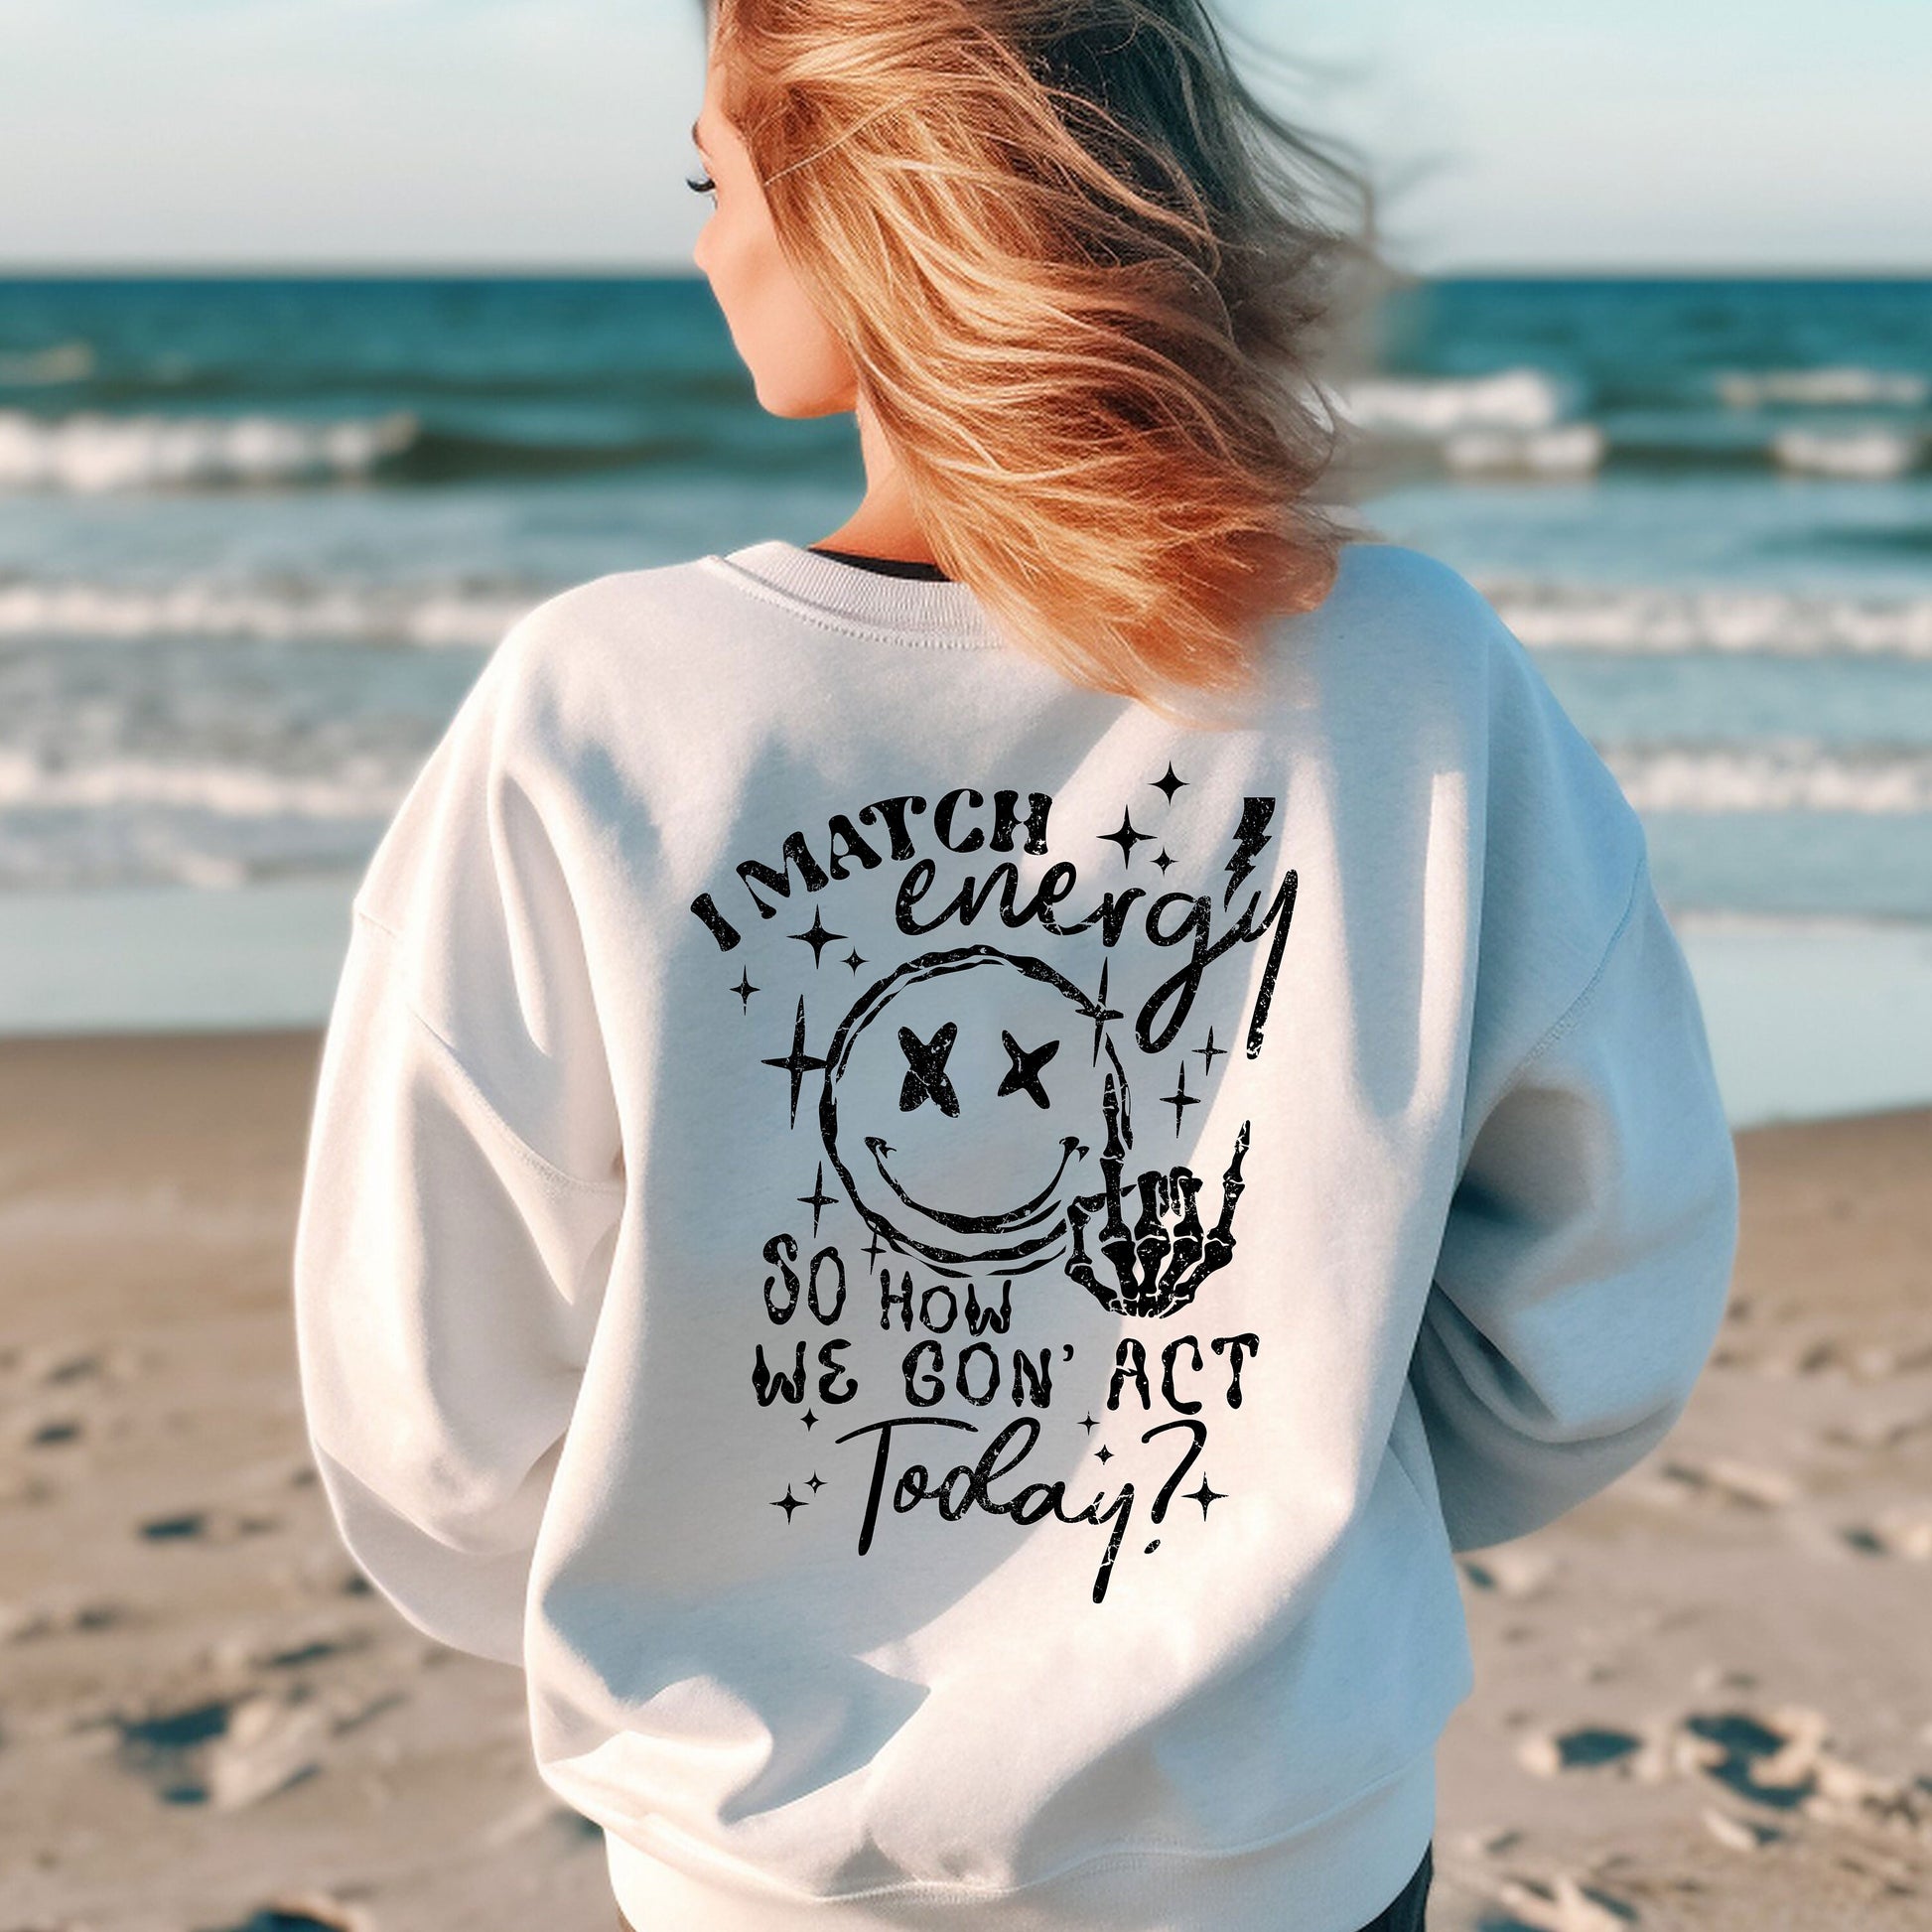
x=1088, y=1424
x=743, y=989
x=874, y=1248
x=1102, y=1014
x=818, y=1199
x=1103, y=1454
x=1170, y=785
x=814, y=1483
x=1162, y=860
x=1127, y=838
x=789, y=1502
x=1180, y=1099
x=797, y=1062
x=816, y=936
x=1210, y=1053
x=1204, y=1495
x=807, y=1418
x=855, y=959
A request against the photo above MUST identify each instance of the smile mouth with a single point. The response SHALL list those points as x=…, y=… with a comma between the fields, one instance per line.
x=1042, y=1205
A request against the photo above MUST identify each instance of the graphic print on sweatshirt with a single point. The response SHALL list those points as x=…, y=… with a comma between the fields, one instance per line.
x=977, y=1106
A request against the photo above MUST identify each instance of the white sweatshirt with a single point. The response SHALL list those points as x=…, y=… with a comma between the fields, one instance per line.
x=943, y=1262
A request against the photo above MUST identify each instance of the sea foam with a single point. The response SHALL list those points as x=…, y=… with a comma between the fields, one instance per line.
x=1423, y=406
x=1640, y=618
x=361, y=788
x=1858, y=456
x=1835, y=387
x=1569, y=450
x=71, y=362
x=94, y=453
x=428, y=616
x=1780, y=774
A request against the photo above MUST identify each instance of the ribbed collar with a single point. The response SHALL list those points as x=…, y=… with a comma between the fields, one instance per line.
x=867, y=603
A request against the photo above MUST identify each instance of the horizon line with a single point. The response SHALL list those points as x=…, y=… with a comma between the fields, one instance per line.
x=673, y=272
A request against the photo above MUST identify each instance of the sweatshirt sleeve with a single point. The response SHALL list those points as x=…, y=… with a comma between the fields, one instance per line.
x=1587, y=1251
x=462, y=1188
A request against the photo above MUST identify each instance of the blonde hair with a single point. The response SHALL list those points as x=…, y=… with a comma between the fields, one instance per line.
x=1076, y=270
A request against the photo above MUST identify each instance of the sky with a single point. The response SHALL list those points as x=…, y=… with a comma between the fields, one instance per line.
x=1509, y=135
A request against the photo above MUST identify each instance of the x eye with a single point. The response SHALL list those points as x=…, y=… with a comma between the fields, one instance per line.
x=1023, y=1077
x=925, y=1070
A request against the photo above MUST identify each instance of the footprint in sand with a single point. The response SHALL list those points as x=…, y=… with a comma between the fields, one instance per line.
x=207, y=1526
x=1517, y=1573
x=1778, y=1764
x=163, y=1747
x=1549, y=1754
x=1560, y=1905
x=59, y=1368
x=288, y=1649
x=1769, y=1763
x=227, y=1752
x=66, y=1618
x=315, y=1650
x=1903, y=1532
x=1739, y=1834
x=1781, y=1763
x=306, y=1912
x=1879, y=1433
x=1723, y=1483
x=57, y=1432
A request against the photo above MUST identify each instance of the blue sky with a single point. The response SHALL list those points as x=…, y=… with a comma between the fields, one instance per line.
x=1515, y=134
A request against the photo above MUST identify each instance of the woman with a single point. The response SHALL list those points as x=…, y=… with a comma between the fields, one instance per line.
x=951, y=1163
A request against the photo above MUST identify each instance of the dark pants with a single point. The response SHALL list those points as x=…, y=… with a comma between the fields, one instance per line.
x=1403, y=1914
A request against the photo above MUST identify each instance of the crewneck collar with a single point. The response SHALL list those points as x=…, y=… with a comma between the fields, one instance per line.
x=867, y=603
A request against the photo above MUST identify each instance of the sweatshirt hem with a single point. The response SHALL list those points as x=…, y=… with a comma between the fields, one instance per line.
x=1333, y=1873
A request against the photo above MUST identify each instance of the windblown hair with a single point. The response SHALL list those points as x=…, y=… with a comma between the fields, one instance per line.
x=1076, y=266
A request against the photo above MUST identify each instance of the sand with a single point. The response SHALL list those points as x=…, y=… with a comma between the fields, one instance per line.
x=1705, y=1699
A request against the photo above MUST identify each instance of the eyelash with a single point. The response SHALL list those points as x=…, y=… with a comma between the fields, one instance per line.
x=706, y=186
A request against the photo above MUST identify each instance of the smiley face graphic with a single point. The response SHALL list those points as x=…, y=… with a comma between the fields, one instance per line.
x=962, y=1094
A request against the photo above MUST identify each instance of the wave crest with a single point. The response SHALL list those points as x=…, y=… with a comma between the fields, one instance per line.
x=1782, y=775
x=71, y=361
x=1843, y=385
x=1858, y=456
x=432, y=616
x=1435, y=406
x=1640, y=618
x=93, y=454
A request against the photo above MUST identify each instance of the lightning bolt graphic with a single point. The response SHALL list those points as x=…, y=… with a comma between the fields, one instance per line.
x=1249, y=837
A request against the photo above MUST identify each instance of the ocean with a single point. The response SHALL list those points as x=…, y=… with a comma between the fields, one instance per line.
x=257, y=536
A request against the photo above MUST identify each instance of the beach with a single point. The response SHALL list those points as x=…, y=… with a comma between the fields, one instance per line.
x=1704, y=1698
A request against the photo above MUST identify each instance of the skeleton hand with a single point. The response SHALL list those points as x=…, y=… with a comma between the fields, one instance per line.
x=1156, y=1270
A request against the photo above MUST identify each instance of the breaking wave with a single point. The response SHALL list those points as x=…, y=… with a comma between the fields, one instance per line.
x=1640, y=618
x=1789, y=774
x=427, y=616
x=91, y=453
x=94, y=453
x=1847, y=385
